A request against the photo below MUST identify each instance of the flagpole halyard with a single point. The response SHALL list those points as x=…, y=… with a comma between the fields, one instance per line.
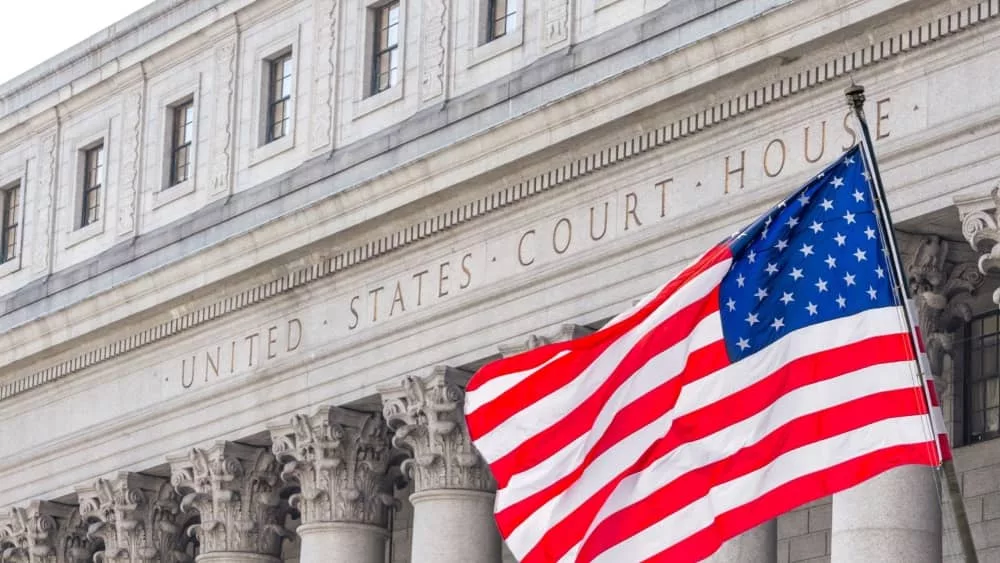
x=855, y=95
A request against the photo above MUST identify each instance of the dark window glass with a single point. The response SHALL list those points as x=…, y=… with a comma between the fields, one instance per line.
x=11, y=212
x=279, y=97
x=982, y=376
x=502, y=18
x=385, y=61
x=93, y=166
x=181, y=137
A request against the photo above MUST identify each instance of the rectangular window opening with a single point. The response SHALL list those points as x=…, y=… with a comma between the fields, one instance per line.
x=11, y=196
x=385, y=56
x=181, y=139
x=982, y=378
x=501, y=18
x=93, y=168
x=279, y=97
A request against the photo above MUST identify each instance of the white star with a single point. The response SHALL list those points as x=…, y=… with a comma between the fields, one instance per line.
x=804, y=200
x=763, y=233
x=860, y=255
x=731, y=304
x=879, y=272
x=831, y=261
x=870, y=232
x=740, y=280
x=838, y=182
x=827, y=204
x=751, y=257
x=872, y=293
x=778, y=323
x=806, y=250
x=767, y=223
x=752, y=319
x=787, y=298
x=820, y=175
x=782, y=244
x=796, y=274
x=821, y=285
x=865, y=175
x=849, y=279
x=858, y=196
x=761, y=293
x=811, y=308
x=792, y=221
x=849, y=161
x=782, y=205
x=743, y=343
x=816, y=227
x=849, y=217
x=771, y=268
x=841, y=301
x=840, y=239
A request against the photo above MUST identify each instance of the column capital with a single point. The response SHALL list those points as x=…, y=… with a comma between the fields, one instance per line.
x=234, y=489
x=137, y=516
x=44, y=532
x=340, y=459
x=426, y=417
x=980, y=218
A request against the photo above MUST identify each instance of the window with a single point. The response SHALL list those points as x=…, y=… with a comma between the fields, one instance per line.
x=181, y=137
x=93, y=166
x=385, y=61
x=11, y=211
x=279, y=97
x=501, y=18
x=982, y=377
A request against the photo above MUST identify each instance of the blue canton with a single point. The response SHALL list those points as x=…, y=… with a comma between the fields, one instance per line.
x=815, y=257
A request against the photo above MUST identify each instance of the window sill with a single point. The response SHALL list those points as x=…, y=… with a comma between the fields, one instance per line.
x=378, y=101
x=173, y=193
x=272, y=149
x=497, y=47
x=81, y=234
x=10, y=266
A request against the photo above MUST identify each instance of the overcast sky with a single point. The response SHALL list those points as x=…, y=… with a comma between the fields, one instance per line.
x=32, y=31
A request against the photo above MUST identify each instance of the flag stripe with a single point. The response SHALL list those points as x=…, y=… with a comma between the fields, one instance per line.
x=798, y=463
x=709, y=415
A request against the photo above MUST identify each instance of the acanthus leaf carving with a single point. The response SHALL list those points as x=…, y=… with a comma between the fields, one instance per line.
x=425, y=415
x=234, y=490
x=225, y=75
x=325, y=73
x=340, y=459
x=136, y=516
x=131, y=151
x=43, y=221
x=434, y=38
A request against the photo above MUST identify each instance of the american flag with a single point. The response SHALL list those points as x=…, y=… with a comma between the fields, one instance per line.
x=776, y=369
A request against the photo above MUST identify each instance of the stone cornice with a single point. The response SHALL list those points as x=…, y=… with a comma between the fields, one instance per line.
x=610, y=156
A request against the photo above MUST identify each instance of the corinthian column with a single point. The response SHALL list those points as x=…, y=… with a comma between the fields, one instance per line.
x=137, y=516
x=453, y=489
x=233, y=489
x=44, y=532
x=339, y=459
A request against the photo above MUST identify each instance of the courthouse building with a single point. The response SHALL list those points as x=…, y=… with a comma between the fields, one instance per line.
x=251, y=251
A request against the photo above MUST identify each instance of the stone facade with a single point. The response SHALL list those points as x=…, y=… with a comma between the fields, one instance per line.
x=265, y=360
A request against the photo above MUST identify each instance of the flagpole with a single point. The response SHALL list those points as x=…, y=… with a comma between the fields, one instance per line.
x=855, y=94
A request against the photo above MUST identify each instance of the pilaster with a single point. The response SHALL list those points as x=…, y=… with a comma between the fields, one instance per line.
x=234, y=489
x=45, y=532
x=137, y=516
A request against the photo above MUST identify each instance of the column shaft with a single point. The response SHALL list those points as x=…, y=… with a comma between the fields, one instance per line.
x=454, y=526
x=235, y=557
x=757, y=545
x=342, y=542
x=896, y=516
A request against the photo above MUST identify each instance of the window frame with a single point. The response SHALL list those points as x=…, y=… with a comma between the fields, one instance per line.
x=377, y=50
x=970, y=379
x=174, y=148
x=6, y=245
x=92, y=190
x=273, y=101
x=491, y=19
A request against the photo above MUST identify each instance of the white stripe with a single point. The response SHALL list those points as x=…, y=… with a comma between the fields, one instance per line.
x=803, y=342
x=549, y=409
x=500, y=384
x=657, y=371
x=738, y=492
x=728, y=441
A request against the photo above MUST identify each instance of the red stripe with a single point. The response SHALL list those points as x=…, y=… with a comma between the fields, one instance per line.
x=803, y=371
x=581, y=419
x=945, y=446
x=538, y=356
x=932, y=391
x=633, y=417
x=814, y=486
x=696, y=484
